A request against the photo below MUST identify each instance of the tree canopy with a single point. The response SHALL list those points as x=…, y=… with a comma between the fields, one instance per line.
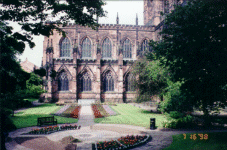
x=11, y=74
x=194, y=47
x=32, y=16
x=151, y=80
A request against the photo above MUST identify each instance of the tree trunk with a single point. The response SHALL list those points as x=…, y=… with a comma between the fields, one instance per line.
x=2, y=126
x=206, y=116
x=2, y=139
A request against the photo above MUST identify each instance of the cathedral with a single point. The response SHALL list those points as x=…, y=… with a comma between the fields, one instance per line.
x=95, y=65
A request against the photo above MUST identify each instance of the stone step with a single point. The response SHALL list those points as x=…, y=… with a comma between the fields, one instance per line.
x=86, y=102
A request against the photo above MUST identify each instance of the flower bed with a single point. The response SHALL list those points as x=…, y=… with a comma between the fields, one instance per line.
x=52, y=129
x=108, y=145
x=97, y=113
x=109, y=110
x=130, y=141
x=75, y=113
x=102, y=110
x=69, y=127
x=68, y=111
x=122, y=143
x=59, y=112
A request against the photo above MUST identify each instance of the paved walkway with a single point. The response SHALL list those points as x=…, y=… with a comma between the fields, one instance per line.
x=86, y=117
x=100, y=132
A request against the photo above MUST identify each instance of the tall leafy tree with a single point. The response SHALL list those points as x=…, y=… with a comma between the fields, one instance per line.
x=194, y=47
x=32, y=16
x=11, y=74
x=151, y=79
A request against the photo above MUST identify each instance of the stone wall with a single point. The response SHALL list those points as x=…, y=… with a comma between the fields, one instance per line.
x=97, y=66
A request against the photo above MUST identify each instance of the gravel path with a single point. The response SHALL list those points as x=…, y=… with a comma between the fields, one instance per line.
x=160, y=138
x=86, y=117
x=42, y=143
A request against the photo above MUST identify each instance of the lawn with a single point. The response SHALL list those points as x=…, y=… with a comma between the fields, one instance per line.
x=28, y=117
x=31, y=99
x=215, y=141
x=42, y=109
x=132, y=115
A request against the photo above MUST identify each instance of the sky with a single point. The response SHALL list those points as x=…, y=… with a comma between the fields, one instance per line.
x=127, y=10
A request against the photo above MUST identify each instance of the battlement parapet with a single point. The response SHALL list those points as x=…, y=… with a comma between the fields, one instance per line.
x=126, y=26
x=114, y=26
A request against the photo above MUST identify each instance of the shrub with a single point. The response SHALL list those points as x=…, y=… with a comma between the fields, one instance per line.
x=176, y=114
x=185, y=122
x=163, y=106
x=175, y=100
x=34, y=91
x=13, y=101
x=6, y=123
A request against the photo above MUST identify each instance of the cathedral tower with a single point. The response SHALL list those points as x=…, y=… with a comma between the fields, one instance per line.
x=152, y=9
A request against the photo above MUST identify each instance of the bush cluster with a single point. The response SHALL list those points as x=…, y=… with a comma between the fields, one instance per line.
x=34, y=91
x=6, y=123
x=186, y=122
x=14, y=101
x=176, y=114
x=174, y=100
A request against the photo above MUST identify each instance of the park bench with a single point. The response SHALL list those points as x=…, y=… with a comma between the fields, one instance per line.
x=48, y=120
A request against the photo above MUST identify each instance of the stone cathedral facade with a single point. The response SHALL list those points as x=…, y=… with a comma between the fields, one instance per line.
x=97, y=64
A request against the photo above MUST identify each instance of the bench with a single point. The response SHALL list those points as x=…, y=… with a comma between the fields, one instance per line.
x=44, y=120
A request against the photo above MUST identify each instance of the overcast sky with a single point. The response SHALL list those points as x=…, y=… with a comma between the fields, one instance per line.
x=126, y=9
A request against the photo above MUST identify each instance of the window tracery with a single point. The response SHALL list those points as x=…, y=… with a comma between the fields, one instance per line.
x=106, y=48
x=145, y=47
x=85, y=82
x=127, y=49
x=86, y=48
x=65, y=48
x=130, y=83
x=63, y=82
x=108, y=82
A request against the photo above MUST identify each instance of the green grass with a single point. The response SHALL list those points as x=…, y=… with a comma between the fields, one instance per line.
x=42, y=109
x=31, y=99
x=132, y=115
x=215, y=141
x=53, y=112
x=28, y=118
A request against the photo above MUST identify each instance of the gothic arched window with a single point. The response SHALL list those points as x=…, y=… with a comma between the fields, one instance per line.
x=145, y=47
x=86, y=48
x=65, y=48
x=129, y=83
x=63, y=82
x=127, y=49
x=108, y=82
x=85, y=82
x=106, y=48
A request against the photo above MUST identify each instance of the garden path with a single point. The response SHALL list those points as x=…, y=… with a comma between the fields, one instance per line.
x=86, y=117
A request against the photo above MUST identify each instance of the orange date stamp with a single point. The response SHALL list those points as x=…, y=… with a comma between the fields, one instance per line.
x=196, y=136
